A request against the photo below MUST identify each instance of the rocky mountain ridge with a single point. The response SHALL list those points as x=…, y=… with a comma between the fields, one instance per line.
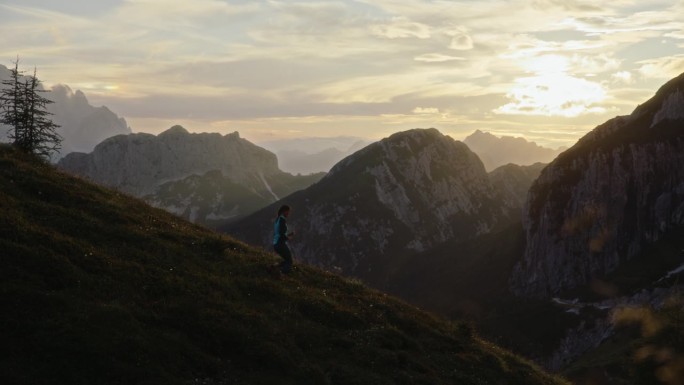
x=204, y=177
x=403, y=194
x=599, y=204
x=513, y=181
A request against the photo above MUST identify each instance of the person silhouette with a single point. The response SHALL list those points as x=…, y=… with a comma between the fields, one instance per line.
x=280, y=238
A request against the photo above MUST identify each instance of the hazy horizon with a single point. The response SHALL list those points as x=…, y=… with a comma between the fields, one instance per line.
x=544, y=70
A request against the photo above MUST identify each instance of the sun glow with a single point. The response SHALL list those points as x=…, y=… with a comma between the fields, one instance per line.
x=552, y=91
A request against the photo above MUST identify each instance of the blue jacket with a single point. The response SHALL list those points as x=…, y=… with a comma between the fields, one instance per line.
x=280, y=230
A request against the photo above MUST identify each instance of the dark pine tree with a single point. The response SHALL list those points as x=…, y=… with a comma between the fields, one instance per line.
x=41, y=135
x=25, y=111
x=12, y=100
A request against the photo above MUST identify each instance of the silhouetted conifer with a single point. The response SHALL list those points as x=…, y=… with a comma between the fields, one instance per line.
x=24, y=109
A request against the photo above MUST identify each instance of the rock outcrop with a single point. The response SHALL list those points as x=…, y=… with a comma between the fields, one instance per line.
x=620, y=188
x=403, y=194
x=206, y=178
x=513, y=182
x=82, y=125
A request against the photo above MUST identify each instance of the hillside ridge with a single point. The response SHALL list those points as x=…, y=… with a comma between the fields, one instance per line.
x=98, y=287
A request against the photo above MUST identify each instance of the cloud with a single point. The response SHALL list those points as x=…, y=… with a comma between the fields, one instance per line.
x=515, y=65
x=437, y=58
x=554, y=95
x=461, y=42
x=460, y=39
x=569, y=5
x=165, y=11
x=675, y=35
x=421, y=110
x=525, y=45
x=623, y=77
x=662, y=68
x=661, y=20
x=593, y=64
x=401, y=27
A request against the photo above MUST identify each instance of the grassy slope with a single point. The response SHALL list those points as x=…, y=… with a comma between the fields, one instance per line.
x=97, y=287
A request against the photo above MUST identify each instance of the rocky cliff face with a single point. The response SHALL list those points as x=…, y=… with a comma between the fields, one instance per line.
x=206, y=178
x=513, y=182
x=139, y=163
x=620, y=188
x=82, y=125
x=403, y=194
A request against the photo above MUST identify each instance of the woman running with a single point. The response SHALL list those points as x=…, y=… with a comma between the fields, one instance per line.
x=281, y=237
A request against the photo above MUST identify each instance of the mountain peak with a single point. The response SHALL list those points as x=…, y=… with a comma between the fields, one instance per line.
x=403, y=194
x=139, y=163
x=674, y=85
x=480, y=134
x=175, y=130
x=417, y=133
x=666, y=103
x=400, y=147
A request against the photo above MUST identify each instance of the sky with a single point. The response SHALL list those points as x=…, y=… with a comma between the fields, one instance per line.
x=546, y=70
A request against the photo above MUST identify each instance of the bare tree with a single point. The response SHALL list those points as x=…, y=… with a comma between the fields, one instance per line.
x=12, y=101
x=25, y=111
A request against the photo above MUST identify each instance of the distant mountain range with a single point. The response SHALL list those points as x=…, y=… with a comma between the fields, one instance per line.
x=206, y=178
x=497, y=151
x=312, y=155
x=82, y=126
x=307, y=155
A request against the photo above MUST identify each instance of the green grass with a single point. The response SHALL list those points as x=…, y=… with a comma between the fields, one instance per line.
x=98, y=288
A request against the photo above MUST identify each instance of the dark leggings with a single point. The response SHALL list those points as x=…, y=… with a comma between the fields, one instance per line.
x=284, y=251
